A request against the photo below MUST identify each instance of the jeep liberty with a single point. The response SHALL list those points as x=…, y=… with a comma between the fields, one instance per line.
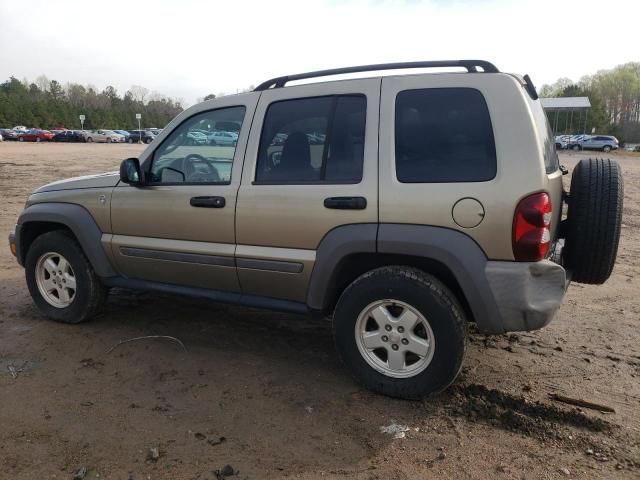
x=404, y=207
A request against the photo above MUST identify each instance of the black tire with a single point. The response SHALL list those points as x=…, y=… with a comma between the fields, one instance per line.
x=576, y=148
x=606, y=149
x=433, y=300
x=89, y=295
x=594, y=218
x=89, y=140
x=108, y=140
x=130, y=140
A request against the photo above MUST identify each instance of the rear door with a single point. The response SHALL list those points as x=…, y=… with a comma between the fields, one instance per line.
x=311, y=166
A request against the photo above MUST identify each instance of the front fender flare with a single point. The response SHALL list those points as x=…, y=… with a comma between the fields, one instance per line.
x=79, y=221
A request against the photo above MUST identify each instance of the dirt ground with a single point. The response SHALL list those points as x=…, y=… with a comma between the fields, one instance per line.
x=265, y=393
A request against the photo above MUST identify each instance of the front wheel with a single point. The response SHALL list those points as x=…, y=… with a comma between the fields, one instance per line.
x=61, y=280
x=400, y=332
x=20, y=139
x=90, y=140
x=38, y=139
x=576, y=148
x=606, y=148
x=108, y=140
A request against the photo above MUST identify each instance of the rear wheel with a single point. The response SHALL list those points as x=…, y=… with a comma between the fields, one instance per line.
x=130, y=140
x=20, y=139
x=61, y=280
x=400, y=332
x=576, y=148
x=108, y=140
x=38, y=139
x=89, y=140
x=594, y=219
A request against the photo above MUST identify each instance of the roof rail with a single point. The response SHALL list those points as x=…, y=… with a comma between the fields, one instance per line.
x=470, y=65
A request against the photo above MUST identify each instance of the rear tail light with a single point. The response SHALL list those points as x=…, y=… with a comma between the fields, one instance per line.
x=531, y=228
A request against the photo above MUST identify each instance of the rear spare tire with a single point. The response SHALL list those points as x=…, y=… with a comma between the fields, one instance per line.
x=593, y=220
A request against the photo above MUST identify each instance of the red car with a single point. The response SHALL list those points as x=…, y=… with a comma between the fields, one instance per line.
x=36, y=135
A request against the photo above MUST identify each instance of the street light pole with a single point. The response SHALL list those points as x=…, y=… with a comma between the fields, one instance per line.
x=139, y=116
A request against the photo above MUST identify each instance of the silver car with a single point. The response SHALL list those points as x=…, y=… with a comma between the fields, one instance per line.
x=223, y=138
x=606, y=143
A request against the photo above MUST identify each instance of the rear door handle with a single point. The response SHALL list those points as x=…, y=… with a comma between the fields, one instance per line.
x=346, y=203
x=208, y=202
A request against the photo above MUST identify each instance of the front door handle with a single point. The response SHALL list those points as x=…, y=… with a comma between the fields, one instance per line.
x=208, y=202
x=346, y=203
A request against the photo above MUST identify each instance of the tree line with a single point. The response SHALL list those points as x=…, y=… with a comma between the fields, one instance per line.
x=47, y=104
x=615, y=102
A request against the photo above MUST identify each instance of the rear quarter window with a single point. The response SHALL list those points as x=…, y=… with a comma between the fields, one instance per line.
x=443, y=135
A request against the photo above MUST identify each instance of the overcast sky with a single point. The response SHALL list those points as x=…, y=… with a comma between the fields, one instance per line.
x=188, y=48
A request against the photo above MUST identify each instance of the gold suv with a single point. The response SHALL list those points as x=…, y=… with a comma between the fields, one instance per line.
x=402, y=206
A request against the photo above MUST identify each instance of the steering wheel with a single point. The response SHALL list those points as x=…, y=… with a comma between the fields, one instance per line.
x=192, y=175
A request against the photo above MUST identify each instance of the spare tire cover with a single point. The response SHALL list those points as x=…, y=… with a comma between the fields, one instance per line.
x=593, y=220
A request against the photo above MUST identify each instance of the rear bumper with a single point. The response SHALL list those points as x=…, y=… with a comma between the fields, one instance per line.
x=527, y=295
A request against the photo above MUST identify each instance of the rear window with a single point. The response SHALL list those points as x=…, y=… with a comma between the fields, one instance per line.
x=443, y=135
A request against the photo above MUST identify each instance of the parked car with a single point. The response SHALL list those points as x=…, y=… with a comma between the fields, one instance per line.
x=400, y=238
x=35, y=135
x=136, y=135
x=103, y=136
x=605, y=143
x=222, y=138
x=124, y=133
x=9, y=134
x=69, y=136
x=20, y=128
x=196, y=138
x=562, y=141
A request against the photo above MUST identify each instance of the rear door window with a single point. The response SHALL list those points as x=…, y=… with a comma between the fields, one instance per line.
x=443, y=135
x=313, y=140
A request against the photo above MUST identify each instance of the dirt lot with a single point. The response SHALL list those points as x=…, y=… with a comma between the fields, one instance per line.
x=265, y=393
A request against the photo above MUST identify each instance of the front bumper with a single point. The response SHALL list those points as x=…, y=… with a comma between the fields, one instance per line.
x=14, y=244
x=527, y=294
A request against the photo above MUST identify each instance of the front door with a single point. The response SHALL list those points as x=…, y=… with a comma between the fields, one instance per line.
x=311, y=166
x=179, y=227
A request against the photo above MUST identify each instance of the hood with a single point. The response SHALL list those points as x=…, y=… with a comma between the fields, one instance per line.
x=109, y=179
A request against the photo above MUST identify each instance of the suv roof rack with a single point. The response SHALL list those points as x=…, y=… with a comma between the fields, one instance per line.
x=470, y=65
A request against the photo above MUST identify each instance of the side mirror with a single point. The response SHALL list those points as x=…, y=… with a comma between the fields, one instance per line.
x=130, y=172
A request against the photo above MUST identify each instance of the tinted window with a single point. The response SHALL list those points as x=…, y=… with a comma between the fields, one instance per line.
x=318, y=139
x=190, y=154
x=443, y=135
